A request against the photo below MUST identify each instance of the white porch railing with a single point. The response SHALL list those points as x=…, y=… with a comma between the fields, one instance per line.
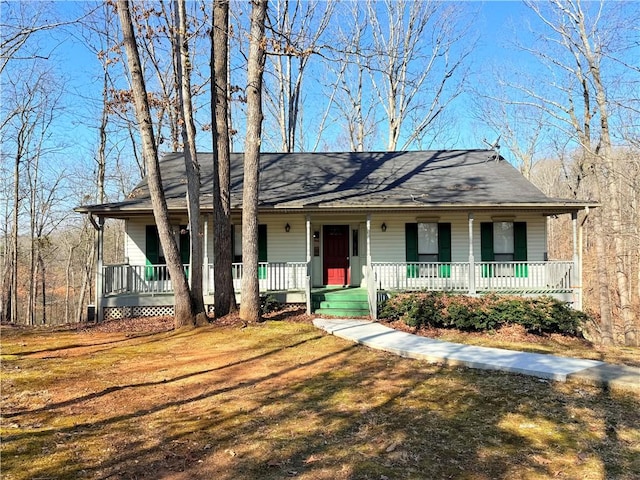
x=523, y=277
x=132, y=279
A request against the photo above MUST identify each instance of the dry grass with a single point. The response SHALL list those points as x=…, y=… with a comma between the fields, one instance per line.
x=283, y=400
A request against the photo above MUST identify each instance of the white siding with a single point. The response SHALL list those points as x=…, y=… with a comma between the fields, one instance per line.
x=135, y=240
x=387, y=246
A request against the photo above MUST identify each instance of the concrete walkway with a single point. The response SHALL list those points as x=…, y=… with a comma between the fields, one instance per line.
x=563, y=369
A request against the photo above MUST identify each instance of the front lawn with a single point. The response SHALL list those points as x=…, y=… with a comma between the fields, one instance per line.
x=283, y=400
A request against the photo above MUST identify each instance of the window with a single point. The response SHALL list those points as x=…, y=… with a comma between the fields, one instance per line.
x=316, y=244
x=503, y=246
x=503, y=242
x=237, y=243
x=428, y=243
x=262, y=248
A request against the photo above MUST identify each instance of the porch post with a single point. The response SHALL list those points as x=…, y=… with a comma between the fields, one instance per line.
x=205, y=257
x=309, y=263
x=472, y=264
x=99, y=273
x=577, y=256
x=372, y=294
x=369, y=240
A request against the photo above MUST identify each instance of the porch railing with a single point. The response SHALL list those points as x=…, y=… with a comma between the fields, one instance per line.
x=155, y=279
x=521, y=277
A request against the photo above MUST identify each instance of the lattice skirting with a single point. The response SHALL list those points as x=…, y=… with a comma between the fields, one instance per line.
x=117, y=313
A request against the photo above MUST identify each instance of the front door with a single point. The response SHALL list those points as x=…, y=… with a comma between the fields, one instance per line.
x=335, y=251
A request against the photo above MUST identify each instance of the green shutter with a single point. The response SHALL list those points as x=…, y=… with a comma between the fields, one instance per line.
x=520, y=248
x=411, y=244
x=152, y=250
x=262, y=251
x=444, y=249
x=486, y=247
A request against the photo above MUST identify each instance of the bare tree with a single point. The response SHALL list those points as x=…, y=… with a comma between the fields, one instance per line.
x=183, y=308
x=296, y=31
x=224, y=295
x=585, y=41
x=192, y=166
x=250, y=300
x=414, y=67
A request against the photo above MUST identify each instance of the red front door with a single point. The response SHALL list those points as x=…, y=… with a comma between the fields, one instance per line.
x=336, y=254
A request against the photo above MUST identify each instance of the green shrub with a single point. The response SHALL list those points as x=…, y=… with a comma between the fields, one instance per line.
x=268, y=304
x=437, y=309
x=415, y=309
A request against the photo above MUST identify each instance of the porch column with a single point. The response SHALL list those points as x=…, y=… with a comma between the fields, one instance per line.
x=368, y=241
x=99, y=273
x=576, y=280
x=309, y=263
x=472, y=262
x=371, y=281
x=205, y=257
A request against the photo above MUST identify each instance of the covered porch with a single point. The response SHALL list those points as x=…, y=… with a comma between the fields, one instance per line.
x=130, y=284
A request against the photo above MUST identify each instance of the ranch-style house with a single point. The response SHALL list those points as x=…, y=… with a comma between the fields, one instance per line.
x=462, y=221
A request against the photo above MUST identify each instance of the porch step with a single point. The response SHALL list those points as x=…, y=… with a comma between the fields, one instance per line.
x=348, y=302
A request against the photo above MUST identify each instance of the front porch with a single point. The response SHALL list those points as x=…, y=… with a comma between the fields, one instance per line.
x=149, y=286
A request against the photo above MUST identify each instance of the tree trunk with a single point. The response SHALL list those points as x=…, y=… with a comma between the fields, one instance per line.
x=183, y=312
x=250, y=300
x=224, y=295
x=192, y=167
x=611, y=180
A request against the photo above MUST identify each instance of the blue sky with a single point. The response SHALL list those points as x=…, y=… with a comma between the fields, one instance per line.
x=495, y=23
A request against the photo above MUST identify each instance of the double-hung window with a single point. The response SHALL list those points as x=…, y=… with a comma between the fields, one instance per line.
x=428, y=245
x=262, y=248
x=504, y=242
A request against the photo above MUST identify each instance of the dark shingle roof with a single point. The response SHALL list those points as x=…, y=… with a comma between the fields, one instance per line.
x=452, y=178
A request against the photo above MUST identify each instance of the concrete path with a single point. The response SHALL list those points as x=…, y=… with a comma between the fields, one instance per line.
x=376, y=335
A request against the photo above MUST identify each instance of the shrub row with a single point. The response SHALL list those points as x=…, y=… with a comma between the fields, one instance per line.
x=490, y=312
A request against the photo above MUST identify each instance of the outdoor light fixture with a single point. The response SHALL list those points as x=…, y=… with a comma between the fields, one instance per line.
x=287, y=228
x=383, y=227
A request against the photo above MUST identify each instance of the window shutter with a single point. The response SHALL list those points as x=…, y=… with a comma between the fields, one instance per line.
x=444, y=248
x=411, y=245
x=262, y=251
x=486, y=242
x=486, y=247
x=520, y=241
x=152, y=250
x=520, y=248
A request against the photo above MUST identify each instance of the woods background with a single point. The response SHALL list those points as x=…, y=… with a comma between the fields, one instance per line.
x=558, y=82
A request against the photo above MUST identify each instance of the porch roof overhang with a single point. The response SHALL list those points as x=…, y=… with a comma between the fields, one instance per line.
x=126, y=210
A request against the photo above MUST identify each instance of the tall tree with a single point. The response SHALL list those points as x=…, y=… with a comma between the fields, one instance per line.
x=224, y=295
x=250, y=299
x=416, y=71
x=296, y=28
x=585, y=40
x=192, y=166
x=183, y=308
